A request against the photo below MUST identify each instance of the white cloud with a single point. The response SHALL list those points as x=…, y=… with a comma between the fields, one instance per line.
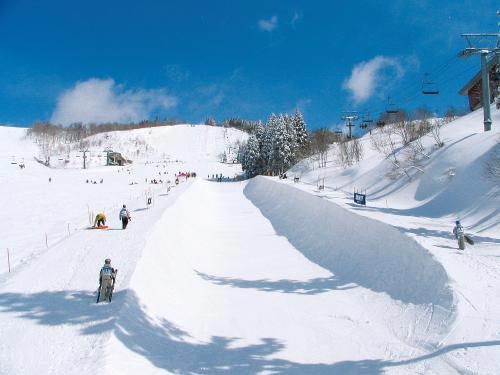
x=297, y=16
x=269, y=25
x=367, y=76
x=102, y=100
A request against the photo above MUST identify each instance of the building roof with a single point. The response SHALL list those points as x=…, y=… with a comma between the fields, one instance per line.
x=490, y=64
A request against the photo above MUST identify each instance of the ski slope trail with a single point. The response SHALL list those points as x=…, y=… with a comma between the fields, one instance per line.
x=224, y=286
x=49, y=321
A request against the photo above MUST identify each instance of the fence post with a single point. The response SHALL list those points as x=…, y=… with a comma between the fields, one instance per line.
x=68, y=230
x=46, y=241
x=8, y=259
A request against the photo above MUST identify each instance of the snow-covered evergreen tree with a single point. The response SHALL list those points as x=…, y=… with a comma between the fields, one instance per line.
x=291, y=137
x=301, y=136
x=251, y=162
x=258, y=131
x=282, y=152
x=267, y=142
x=275, y=146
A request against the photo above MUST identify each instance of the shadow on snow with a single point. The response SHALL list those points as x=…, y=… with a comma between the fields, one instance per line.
x=169, y=347
x=309, y=287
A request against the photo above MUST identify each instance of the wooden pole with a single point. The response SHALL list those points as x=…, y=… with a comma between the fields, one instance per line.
x=8, y=259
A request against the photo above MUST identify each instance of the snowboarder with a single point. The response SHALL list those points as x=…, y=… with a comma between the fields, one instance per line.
x=100, y=220
x=458, y=231
x=107, y=278
x=124, y=216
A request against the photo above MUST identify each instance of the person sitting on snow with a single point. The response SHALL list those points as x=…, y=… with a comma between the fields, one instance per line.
x=124, y=216
x=100, y=220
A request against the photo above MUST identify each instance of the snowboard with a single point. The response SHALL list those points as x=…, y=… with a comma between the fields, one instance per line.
x=105, y=293
x=101, y=227
x=469, y=240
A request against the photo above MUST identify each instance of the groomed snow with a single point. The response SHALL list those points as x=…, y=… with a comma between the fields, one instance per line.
x=262, y=276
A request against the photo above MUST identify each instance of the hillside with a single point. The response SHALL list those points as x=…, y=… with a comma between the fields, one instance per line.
x=452, y=183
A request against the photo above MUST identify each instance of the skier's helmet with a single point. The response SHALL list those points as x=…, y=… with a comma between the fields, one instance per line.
x=457, y=222
x=124, y=206
x=107, y=261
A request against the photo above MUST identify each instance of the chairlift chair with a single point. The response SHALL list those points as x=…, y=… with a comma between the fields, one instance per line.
x=428, y=87
x=367, y=120
x=391, y=107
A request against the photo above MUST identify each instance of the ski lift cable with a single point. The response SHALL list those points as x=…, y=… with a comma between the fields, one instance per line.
x=410, y=97
x=436, y=72
x=443, y=73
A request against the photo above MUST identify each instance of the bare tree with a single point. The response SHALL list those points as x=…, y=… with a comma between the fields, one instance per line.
x=436, y=132
x=422, y=113
x=349, y=152
x=385, y=141
x=210, y=121
x=320, y=144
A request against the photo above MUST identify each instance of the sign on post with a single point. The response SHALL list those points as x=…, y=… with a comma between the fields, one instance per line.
x=360, y=198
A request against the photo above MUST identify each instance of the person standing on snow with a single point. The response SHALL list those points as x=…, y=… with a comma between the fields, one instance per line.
x=107, y=277
x=108, y=273
x=100, y=220
x=124, y=216
x=458, y=231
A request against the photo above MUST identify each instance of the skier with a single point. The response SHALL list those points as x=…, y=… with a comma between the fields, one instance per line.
x=124, y=216
x=458, y=231
x=100, y=220
x=107, y=278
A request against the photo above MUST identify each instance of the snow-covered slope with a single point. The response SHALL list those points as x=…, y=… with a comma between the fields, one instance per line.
x=179, y=143
x=40, y=213
x=453, y=183
x=252, y=277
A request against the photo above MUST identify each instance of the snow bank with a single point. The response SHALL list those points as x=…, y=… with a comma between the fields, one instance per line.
x=383, y=260
x=451, y=183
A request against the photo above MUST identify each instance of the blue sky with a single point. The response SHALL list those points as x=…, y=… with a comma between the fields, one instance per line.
x=127, y=60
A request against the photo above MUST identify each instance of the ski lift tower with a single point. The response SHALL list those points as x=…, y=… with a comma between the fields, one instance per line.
x=488, y=48
x=84, y=157
x=350, y=117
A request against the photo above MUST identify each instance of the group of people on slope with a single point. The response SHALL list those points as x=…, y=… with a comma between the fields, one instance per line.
x=107, y=275
x=124, y=217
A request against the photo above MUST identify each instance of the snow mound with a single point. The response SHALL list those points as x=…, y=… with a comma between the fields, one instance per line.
x=383, y=260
